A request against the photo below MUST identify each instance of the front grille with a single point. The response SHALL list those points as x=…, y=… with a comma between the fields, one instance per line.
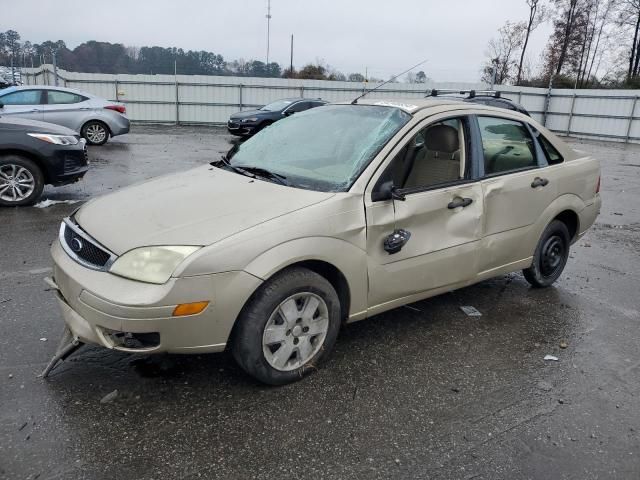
x=84, y=249
x=233, y=124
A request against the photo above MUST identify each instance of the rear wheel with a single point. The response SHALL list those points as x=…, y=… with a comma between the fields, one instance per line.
x=288, y=327
x=95, y=132
x=21, y=181
x=550, y=257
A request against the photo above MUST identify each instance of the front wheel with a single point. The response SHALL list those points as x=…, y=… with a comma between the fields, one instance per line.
x=288, y=327
x=550, y=257
x=21, y=181
x=95, y=132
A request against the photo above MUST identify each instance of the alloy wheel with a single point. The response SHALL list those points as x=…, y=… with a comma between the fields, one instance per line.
x=16, y=183
x=95, y=133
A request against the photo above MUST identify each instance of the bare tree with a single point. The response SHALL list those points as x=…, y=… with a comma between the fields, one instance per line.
x=536, y=17
x=501, y=54
x=629, y=18
x=566, y=35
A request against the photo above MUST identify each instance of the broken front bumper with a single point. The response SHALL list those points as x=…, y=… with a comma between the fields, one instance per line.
x=108, y=310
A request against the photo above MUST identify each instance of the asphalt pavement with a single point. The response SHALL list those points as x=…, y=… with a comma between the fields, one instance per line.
x=423, y=391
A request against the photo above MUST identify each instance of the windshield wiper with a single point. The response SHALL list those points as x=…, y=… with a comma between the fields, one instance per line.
x=225, y=161
x=263, y=172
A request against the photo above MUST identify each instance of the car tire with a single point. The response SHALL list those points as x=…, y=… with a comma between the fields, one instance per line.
x=288, y=327
x=95, y=132
x=23, y=174
x=550, y=257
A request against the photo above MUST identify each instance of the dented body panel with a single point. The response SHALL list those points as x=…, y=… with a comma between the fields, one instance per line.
x=250, y=229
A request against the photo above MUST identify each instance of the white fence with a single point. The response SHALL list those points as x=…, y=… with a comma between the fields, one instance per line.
x=605, y=114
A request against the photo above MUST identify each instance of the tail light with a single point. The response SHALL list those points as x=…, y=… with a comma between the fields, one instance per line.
x=118, y=108
x=598, y=186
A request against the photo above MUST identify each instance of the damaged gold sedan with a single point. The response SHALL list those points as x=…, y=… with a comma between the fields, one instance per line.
x=331, y=216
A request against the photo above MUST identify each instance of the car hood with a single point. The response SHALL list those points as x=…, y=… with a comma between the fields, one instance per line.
x=33, y=126
x=250, y=113
x=197, y=207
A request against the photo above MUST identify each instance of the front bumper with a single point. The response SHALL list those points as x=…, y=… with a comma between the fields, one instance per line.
x=67, y=163
x=241, y=129
x=98, y=307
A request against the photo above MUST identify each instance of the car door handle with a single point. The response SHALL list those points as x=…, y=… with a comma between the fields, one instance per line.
x=459, y=202
x=85, y=108
x=539, y=182
x=35, y=110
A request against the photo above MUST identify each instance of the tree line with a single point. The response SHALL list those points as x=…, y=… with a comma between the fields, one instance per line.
x=593, y=44
x=105, y=57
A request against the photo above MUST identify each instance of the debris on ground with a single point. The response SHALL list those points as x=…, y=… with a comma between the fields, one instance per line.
x=11, y=375
x=563, y=344
x=546, y=386
x=109, y=397
x=47, y=203
x=43, y=339
x=551, y=358
x=471, y=311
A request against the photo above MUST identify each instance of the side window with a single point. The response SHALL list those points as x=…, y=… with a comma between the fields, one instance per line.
x=553, y=156
x=299, y=107
x=434, y=156
x=56, y=97
x=507, y=145
x=22, y=97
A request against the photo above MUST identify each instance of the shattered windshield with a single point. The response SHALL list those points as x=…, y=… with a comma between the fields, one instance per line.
x=322, y=149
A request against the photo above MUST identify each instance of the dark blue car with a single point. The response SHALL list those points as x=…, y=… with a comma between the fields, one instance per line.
x=249, y=122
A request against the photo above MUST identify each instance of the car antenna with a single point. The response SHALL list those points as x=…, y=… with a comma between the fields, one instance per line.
x=355, y=100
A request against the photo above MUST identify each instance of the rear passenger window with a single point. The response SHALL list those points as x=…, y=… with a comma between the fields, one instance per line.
x=507, y=145
x=55, y=97
x=553, y=156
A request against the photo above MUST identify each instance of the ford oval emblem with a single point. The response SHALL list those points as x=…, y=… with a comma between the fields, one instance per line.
x=76, y=244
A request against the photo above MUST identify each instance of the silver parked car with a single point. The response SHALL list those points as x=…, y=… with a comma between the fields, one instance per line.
x=95, y=118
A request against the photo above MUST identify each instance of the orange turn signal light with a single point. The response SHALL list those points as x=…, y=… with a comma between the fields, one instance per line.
x=189, y=308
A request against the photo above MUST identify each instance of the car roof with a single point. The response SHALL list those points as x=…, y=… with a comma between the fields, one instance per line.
x=45, y=87
x=410, y=105
x=430, y=105
x=298, y=99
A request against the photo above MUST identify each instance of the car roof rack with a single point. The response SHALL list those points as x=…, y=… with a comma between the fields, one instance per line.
x=470, y=93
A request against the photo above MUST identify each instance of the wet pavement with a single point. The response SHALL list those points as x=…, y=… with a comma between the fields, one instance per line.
x=423, y=391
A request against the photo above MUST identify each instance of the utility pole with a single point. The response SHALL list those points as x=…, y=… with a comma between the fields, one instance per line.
x=268, y=27
x=291, y=65
x=55, y=68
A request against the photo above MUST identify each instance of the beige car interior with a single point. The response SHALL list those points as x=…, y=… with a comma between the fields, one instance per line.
x=432, y=157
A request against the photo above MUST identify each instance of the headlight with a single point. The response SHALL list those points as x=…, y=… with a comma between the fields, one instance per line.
x=247, y=120
x=151, y=264
x=55, y=139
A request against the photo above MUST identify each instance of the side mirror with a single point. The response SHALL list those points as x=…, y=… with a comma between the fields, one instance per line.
x=387, y=191
x=288, y=113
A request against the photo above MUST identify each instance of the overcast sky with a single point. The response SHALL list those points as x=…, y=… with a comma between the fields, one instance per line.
x=384, y=36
